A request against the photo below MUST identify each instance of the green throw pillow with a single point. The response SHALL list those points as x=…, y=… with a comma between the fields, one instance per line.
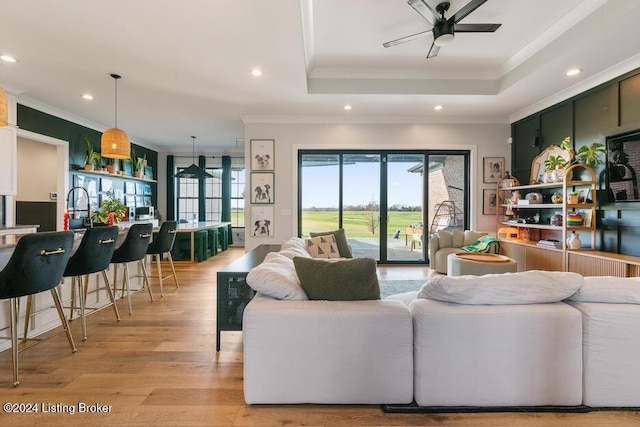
x=349, y=280
x=341, y=240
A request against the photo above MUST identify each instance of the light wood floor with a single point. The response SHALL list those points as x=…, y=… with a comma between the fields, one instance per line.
x=158, y=367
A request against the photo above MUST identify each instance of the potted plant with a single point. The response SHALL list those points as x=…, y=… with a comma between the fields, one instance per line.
x=137, y=163
x=110, y=164
x=553, y=167
x=572, y=198
x=590, y=154
x=109, y=205
x=92, y=158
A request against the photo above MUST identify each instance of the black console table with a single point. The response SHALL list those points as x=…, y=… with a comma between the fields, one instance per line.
x=233, y=292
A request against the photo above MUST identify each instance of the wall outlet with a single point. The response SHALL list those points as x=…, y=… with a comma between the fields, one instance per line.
x=53, y=195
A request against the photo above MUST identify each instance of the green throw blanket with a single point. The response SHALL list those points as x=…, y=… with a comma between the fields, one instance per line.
x=486, y=244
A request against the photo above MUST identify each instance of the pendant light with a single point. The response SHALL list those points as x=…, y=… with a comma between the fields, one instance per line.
x=193, y=171
x=4, y=109
x=115, y=142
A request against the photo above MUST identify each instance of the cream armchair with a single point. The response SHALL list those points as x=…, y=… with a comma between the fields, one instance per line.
x=443, y=243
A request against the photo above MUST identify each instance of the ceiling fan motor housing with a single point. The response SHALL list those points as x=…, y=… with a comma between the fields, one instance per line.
x=443, y=33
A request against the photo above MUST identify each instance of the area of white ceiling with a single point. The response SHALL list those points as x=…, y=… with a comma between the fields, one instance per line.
x=186, y=65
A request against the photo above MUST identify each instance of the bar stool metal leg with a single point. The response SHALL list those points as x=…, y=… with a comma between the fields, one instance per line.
x=14, y=339
x=112, y=297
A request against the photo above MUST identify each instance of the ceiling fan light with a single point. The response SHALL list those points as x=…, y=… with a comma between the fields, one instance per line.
x=114, y=144
x=4, y=109
x=444, y=39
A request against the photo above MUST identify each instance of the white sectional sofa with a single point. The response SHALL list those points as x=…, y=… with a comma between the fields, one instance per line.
x=496, y=355
x=327, y=352
x=610, y=309
x=515, y=339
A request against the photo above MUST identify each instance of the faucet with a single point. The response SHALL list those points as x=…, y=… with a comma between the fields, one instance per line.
x=88, y=202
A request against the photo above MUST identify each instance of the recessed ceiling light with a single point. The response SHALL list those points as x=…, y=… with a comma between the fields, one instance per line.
x=347, y=107
x=8, y=58
x=438, y=107
x=87, y=96
x=574, y=71
x=257, y=72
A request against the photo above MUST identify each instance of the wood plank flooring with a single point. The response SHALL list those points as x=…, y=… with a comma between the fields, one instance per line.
x=158, y=367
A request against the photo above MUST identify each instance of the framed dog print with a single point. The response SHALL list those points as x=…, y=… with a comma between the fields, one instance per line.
x=489, y=201
x=492, y=169
x=262, y=190
x=262, y=156
x=262, y=221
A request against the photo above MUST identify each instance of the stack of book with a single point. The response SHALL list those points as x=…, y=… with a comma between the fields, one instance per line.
x=549, y=244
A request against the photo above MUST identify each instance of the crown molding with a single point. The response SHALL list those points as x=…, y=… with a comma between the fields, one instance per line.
x=372, y=120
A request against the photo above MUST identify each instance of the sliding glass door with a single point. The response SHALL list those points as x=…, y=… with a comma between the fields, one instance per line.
x=384, y=200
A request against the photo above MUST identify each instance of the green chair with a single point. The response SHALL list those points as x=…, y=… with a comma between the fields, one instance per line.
x=182, y=246
x=213, y=238
x=224, y=238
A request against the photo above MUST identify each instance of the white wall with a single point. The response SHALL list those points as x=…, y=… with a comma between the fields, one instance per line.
x=482, y=140
x=37, y=171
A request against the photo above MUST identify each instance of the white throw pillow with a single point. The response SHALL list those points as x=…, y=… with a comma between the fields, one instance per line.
x=276, y=277
x=294, y=251
x=528, y=287
x=609, y=289
x=323, y=247
x=294, y=242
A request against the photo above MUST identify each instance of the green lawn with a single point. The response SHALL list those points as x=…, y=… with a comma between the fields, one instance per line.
x=355, y=222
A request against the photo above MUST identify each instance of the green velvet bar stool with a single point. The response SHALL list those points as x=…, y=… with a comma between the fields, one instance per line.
x=201, y=239
x=224, y=238
x=213, y=238
x=182, y=246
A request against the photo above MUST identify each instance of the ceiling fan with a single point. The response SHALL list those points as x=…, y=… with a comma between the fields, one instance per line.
x=444, y=29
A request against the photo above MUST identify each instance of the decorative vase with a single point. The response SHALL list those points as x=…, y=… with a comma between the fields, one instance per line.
x=549, y=177
x=556, y=198
x=574, y=242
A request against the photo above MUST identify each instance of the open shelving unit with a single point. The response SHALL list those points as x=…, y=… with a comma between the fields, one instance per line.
x=530, y=232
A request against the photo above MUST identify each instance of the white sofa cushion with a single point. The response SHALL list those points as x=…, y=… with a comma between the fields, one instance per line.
x=496, y=355
x=609, y=289
x=327, y=352
x=276, y=277
x=611, y=358
x=528, y=287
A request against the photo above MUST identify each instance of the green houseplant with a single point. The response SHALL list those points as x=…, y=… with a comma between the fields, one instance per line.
x=109, y=204
x=590, y=154
x=137, y=163
x=92, y=159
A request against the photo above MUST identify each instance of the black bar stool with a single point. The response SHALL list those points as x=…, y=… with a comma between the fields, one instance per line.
x=162, y=244
x=92, y=256
x=36, y=265
x=134, y=248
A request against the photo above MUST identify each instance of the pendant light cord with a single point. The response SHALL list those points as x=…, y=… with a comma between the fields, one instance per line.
x=193, y=150
x=116, y=77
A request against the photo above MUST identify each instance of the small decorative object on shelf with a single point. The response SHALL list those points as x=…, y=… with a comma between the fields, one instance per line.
x=556, y=219
x=572, y=198
x=556, y=198
x=574, y=242
x=574, y=219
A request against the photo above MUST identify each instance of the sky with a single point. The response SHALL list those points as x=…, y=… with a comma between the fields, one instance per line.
x=362, y=185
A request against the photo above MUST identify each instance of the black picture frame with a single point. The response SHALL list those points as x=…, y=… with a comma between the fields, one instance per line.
x=492, y=169
x=489, y=201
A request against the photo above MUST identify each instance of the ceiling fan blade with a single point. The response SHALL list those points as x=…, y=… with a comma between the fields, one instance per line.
x=433, y=51
x=405, y=39
x=466, y=9
x=476, y=28
x=423, y=8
